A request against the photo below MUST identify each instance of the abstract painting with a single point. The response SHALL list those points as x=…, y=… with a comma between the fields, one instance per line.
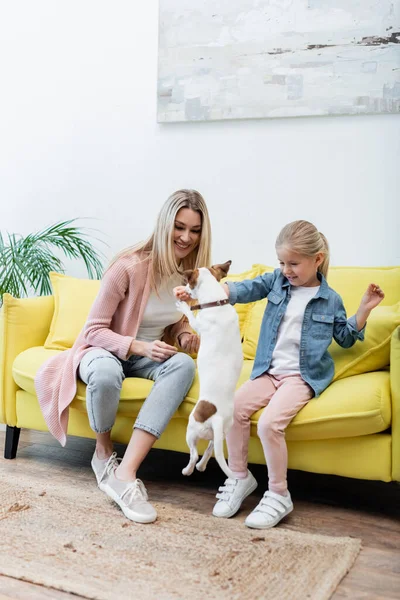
x=241, y=59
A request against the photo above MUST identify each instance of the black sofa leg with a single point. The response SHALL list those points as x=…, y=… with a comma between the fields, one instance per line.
x=12, y=439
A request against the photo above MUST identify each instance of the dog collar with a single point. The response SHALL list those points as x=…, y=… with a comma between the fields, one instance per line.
x=210, y=304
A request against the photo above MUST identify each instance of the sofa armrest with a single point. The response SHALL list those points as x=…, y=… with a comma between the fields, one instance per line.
x=395, y=393
x=24, y=323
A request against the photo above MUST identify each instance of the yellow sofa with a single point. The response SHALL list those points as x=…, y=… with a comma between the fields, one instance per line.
x=352, y=429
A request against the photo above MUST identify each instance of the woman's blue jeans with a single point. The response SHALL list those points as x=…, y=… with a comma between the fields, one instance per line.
x=104, y=373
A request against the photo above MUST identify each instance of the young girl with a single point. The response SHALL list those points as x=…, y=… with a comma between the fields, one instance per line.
x=130, y=332
x=292, y=363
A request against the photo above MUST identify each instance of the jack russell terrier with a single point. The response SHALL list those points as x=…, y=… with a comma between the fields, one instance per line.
x=219, y=363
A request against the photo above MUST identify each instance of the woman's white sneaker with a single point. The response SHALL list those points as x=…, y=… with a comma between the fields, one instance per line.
x=271, y=509
x=102, y=466
x=131, y=497
x=231, y=495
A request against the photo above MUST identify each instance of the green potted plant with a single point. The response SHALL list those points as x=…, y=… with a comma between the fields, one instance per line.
x=25, y=262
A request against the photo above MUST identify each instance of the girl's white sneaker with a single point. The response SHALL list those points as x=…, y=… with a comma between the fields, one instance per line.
x=231, y=495
x=271, y=509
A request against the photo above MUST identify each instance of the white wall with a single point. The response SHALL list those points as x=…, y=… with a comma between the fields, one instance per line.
x=79, y=138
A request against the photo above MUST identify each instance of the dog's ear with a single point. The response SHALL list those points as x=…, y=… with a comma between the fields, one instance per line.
x=191, y=276
x=220, y=271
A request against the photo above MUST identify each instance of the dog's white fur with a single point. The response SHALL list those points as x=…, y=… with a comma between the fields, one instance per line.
x=219, y=363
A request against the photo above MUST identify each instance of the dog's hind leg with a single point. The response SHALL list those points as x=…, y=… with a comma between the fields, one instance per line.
x=191, y=440
x=201, y=465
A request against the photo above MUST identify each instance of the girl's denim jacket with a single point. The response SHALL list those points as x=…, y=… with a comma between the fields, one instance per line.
x=324, y=318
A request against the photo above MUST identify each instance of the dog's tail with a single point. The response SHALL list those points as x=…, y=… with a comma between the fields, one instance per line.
x=218, y=428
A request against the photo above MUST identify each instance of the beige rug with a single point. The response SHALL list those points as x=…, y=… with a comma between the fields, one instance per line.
x=74, y=539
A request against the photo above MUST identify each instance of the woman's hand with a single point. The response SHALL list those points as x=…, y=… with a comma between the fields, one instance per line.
x=181, y=293
x=158, y=351
x=189, y=342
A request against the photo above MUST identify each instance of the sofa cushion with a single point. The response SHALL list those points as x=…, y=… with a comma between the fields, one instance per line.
x=27, y=364
x=372, y=354
x=243, y=309
x=351, y=283
x=73, y=299
x=252, y=328
x=358, y=405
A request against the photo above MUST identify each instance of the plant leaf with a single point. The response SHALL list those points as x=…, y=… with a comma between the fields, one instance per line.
x=25, y=262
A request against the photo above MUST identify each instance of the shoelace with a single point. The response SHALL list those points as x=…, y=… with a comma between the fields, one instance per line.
x=225, y=491
x=135, y=491
x=112, y=461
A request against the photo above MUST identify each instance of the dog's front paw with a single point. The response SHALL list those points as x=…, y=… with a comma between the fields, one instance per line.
x=182, y=307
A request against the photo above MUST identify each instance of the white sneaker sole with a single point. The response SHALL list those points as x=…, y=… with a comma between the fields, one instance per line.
x=269, y=524
x=237, y=506
x=130, y=514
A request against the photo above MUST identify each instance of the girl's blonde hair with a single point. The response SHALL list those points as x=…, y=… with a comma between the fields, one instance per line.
x=304, y=238
x=159, y=246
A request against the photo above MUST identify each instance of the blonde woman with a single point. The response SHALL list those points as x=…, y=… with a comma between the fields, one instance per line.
x=130, y=332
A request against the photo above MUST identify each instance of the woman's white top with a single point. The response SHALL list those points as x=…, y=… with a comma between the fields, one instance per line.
x=160, y=311
x=285, y=357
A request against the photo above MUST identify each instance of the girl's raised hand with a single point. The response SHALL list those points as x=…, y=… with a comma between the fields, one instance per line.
x=181, y=293
x=372, y=297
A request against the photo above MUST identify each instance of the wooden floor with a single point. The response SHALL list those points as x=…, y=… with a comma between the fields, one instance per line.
x=323, y=504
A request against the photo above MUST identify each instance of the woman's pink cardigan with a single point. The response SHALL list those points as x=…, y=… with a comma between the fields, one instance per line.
x=112, y=324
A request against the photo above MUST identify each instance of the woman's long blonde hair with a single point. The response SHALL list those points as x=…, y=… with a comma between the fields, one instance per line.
x=159, y=246
x=304, y=238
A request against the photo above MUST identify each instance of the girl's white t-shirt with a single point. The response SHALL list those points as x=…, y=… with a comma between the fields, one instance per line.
x=160, y=311
x=285, y=357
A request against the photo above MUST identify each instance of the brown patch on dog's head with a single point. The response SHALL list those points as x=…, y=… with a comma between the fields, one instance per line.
x=204, y=410
x=220, y=271
x=191, y=276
